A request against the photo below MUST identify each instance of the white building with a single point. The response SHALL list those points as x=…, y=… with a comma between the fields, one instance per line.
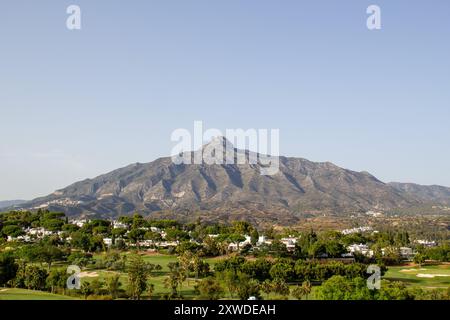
x=248, y=240
x=145, y=243
x=356, y=230
x=155, y=229
x=234, y=246
x=107, y=241
x=261, y=240
x=117, y=225
x=406, y=253
x=79, y=222
x=360, y=249
x=426, y=243
x=166, y=244
x=38, y=232
x=24, y=238
x=374, y=214
x=289, y=243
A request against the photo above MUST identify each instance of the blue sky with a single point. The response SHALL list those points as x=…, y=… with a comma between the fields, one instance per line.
x=76, y=104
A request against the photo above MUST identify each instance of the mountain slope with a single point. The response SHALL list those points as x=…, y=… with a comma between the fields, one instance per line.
x=9, y=203
x=427, y=194
x=230, y=191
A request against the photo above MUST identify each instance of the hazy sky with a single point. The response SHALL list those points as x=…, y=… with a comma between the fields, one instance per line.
x=76, y=104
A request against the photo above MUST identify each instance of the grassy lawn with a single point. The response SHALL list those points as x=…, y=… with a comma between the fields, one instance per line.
x=157, y=278
x=160, y=259
x=23, y=294
x=427, y=276
x=188, y=290
x=163, y=260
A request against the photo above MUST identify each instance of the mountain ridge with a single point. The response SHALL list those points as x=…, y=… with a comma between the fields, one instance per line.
x=229, y=191
x=9, y=203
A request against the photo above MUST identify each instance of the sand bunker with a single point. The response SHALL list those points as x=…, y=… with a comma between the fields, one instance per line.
x=88, y=274
x=427, y=275
x=412, y=270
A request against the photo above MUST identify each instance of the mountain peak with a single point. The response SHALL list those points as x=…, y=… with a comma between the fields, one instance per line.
x=218, y=141
x=231, y=190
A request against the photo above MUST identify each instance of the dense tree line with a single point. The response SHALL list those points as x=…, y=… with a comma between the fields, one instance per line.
x=253, y=271
x=342, y=288
x=290, y=270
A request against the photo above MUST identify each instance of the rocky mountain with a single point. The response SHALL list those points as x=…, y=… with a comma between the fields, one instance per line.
x=234, y=191
x=427, y=194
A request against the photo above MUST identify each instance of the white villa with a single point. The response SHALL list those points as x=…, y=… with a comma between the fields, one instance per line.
x=289, y=243
x=361, y=249
x=406, y=253
x=117, y=225
x=426, y=243
x=25, y=238
x=263, y=240
x=38, y=232
x=79, y=222
x=236, y=246
x=155, y=229
x=356, y=230
x=107, y=241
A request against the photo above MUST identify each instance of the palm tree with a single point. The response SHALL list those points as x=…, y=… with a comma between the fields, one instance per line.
x=302, y=291
x=150, y=290
x=113, y=284
x=86, y=289
x=185, y=263
x=419, y=259
x=176, y=277
x=306, y=287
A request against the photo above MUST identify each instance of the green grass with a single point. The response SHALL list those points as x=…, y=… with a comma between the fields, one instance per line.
x=23, y=294
x=160, y=259
x=408, y=275
x=163, y=260
x=187, y=291
x=157, y=278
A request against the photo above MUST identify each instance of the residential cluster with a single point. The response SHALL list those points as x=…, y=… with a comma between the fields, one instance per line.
x=161, y=241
